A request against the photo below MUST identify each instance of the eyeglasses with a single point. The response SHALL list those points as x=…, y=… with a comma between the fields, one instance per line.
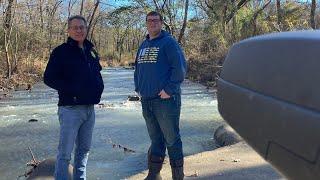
x=153, y=21
x=75, y=28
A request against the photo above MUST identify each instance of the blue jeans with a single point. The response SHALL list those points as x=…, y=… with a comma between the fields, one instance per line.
x=162, y=118
x=76, y=127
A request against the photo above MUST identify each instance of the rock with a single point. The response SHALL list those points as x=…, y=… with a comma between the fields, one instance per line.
x=236, y=160
x=132, y=64
x=45, y=170
x=33, y=120
x=28, y=87
x=102, y=105
x=225, y=136
x=133, y=98
x=195, y=174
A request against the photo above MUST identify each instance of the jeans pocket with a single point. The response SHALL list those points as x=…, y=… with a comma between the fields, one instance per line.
x=176, y=100
x=171, y=103
x=167, y=99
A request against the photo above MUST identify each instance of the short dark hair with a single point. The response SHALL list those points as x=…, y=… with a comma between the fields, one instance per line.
x=154, y=13
x=76, y=17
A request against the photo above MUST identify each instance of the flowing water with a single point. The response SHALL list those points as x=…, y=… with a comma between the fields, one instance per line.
x=118, y=123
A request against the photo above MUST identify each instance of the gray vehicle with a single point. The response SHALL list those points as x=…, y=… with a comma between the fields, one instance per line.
x=269, y=92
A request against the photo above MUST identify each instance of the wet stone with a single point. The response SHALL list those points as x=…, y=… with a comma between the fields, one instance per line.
x=133, y=98
x=33, y=120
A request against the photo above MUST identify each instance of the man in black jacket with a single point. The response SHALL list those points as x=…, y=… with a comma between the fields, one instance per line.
x=74, y=71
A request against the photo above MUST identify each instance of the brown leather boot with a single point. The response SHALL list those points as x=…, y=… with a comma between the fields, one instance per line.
x=154, y=166
x=177, y=169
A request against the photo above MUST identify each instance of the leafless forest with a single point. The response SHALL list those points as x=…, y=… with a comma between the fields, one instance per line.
x=204, y=28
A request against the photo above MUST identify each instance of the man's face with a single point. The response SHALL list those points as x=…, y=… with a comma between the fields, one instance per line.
x=77, y=30
x=154, y=25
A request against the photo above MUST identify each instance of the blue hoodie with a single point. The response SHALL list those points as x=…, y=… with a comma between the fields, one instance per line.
x=160, y=65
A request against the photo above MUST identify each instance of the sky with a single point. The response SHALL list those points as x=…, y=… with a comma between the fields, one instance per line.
x=117, y=3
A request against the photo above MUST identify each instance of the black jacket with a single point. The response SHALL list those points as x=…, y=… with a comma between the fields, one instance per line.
x=75, y=74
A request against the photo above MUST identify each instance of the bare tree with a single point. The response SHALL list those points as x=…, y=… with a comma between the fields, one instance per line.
x=255, y=16
x=123, y=20
x=279, y=14
x=312, y=14
x=70, y=7
x=170, y=10
x=234, y=10
x=221, y=10
x=184, y=25
x=168, y=25
x=92, y=16
x=51, y=14
x=7, y=27
x=81, y=8
x=41, y=15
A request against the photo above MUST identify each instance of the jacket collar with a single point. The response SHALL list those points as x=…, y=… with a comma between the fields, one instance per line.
x=73, y=42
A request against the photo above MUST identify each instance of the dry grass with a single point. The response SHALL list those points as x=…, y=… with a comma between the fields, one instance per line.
x=126, y=60
x=206, y=69
x=26, y=74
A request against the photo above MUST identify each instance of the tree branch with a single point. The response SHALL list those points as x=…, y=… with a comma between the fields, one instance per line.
x=235, y=10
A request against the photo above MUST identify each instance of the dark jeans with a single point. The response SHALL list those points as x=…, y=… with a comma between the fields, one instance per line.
x=162, y=118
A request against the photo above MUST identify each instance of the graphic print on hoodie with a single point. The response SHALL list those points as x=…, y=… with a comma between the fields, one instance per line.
x=148, y=55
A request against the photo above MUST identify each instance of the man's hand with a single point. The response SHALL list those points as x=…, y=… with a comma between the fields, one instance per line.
x=163, y=94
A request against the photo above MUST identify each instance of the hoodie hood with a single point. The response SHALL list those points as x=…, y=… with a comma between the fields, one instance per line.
x=162, y=34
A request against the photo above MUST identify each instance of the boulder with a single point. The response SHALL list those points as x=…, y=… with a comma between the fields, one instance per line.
x=45, y=170
x=133, y=98
x=224, y=135
x=33, y=120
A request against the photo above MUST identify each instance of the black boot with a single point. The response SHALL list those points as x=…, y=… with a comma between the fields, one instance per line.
x=177, y=169
x=154, y=166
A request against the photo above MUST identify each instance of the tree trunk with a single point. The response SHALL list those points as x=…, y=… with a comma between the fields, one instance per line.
x=81, y=8
x=7, y=55
x=234, y=30
x=41, y=16
x=312, y=14
x=279, y=14
x=171, y=18
x=224, y=17
x=7, y=27
x=184, y=25
x=50, y=24
x=234, y=10
x=15, y=53
x=92, y=16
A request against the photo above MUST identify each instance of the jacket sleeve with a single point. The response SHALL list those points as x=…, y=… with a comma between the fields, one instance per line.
x=178, y=67
x=53, y=75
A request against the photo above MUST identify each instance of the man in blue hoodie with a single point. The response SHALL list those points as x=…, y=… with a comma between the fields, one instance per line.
x=74, y=71
x=160, y=69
